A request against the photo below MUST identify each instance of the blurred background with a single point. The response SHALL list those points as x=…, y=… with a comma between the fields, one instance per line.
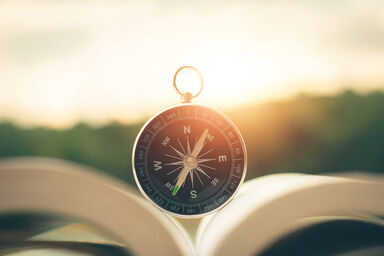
x=303, y=80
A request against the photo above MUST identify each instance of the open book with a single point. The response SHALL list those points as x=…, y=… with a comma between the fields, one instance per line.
x=49, y=203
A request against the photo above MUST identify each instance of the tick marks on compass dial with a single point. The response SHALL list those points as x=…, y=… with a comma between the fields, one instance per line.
x=189, y=158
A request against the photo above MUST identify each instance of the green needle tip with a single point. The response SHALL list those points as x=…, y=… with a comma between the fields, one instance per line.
x=174, y=192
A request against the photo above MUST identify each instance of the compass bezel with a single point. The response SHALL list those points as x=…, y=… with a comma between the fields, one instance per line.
x=199, y=215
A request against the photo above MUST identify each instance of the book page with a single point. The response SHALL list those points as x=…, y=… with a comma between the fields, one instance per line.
x=329, y=235
x=61, y=188
x=266, y=207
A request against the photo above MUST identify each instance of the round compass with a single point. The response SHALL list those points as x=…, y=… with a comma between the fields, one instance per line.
x=189, y=160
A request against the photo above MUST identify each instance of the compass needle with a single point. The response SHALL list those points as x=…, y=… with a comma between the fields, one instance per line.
x=189, y=160
x=174, y=192
x=177, y=177
x=200, y=144
x=203, y=145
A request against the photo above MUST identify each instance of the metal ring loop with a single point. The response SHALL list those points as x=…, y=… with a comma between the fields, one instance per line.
x=201, y=81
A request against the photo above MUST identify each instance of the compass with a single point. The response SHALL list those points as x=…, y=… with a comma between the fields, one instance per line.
x=189, y=160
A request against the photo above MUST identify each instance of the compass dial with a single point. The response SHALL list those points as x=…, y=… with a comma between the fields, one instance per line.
x=189, y=160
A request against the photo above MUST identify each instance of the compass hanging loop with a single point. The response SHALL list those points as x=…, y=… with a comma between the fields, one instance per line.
x=188, y=96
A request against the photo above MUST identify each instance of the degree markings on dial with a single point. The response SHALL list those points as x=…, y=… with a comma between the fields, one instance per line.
x=206, y=160
x=183, y=151
x=162, y=118
x=213, y=116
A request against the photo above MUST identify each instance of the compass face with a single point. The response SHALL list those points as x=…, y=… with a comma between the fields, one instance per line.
x=189, y=160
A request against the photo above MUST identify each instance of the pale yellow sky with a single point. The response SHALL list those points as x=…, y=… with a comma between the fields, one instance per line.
x=65, y=61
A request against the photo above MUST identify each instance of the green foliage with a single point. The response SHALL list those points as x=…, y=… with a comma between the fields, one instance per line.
x=315, y=134
x=309, y=134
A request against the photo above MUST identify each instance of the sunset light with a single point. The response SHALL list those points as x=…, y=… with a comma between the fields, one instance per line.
x=191, y=127
x=62, y=62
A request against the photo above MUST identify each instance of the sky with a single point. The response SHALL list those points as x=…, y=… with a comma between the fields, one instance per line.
x=64, y=61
